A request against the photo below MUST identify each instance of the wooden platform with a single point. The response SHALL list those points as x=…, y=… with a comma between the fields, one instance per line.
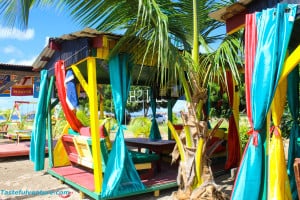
x=16, y=149
x=19, y=135
x=83, y=180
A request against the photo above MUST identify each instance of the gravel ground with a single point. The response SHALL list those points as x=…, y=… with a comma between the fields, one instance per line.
x=17, y=175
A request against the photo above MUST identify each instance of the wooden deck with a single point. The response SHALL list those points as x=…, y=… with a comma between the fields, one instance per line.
x=84, y=180
x=15, y=149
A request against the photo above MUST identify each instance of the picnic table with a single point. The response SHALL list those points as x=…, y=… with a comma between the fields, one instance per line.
x=159, y=147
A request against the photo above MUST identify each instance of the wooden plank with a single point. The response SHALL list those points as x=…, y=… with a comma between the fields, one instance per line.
x=19, y=72
x=93, y=99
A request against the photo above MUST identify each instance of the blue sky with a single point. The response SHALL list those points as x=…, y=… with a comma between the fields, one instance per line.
x=23, y=46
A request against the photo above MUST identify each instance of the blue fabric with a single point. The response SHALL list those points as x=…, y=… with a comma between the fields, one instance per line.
x=154, y=131
x=71, y=92
x=120, y=175
x=38, y=136
x=249, y=176
x=294, y=147
x=273, y=33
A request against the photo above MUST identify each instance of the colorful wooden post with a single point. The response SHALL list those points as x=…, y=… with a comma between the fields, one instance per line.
x=49, y=129
x=92, y=84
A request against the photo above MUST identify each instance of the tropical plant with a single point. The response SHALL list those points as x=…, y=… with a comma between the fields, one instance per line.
x=6, y=114
x=140, y=126
x=176, y=35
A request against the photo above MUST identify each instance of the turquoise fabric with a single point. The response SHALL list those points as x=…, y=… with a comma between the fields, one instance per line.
x=38, y=136
x=249, y=175
x=273, y=33
x=294, y=147
x=154, y=131
x=120, y=176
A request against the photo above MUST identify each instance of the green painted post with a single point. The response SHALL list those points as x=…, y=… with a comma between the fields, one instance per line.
x=171, y=103
x=49, y=121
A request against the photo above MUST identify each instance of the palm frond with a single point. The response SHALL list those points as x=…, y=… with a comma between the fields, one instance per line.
x=16, y=12
x=155, y=31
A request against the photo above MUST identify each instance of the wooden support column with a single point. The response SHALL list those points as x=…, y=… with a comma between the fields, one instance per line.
x=94, y=123
x=49, y=132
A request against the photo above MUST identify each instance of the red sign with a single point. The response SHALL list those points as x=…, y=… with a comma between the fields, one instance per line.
x=23, y=88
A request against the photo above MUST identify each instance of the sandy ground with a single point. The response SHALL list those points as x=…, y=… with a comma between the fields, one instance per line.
x=19, y=181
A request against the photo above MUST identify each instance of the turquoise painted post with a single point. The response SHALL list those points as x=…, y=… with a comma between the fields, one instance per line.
x=49, y=121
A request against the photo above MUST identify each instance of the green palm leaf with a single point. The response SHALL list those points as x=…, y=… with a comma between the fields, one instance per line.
x=157, y=30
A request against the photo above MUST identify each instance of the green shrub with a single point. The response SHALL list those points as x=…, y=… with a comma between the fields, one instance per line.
x=58, y=127
x=243, y=130
x=140, y=126
x=244, y=136
x=286, y=124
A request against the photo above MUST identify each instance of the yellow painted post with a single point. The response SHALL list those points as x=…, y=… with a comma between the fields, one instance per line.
x=92, y=83
x=81, y=79
x=235, y=111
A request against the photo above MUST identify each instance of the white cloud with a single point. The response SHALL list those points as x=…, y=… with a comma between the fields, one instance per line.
x=9, y=49
x=28, y=62
x=14, y=33
x=46, y=41
x=12, y=50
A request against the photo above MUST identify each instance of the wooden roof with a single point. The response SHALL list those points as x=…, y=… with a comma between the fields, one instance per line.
x=48, y=52
x=73, y=48
x=234, y=14
x=11, y=69
x=19, y=71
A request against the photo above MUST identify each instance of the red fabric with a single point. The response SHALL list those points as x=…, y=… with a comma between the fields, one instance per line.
x=255, y=138
x=61, y=92
x=86, y=131
x=234, y=152
x=250, y=50
x=275, y=130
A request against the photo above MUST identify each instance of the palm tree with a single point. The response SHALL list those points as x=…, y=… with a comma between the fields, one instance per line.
x=171, y=33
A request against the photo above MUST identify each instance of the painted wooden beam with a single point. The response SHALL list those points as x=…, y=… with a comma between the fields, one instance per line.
x=19, y=72
x=93, y=103
x=236, y=22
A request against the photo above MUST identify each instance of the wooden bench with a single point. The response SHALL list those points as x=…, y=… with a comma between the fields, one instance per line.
x=79, y=152
x=70, y=148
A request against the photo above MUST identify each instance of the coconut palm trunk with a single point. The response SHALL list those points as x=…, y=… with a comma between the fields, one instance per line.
x=195, y=176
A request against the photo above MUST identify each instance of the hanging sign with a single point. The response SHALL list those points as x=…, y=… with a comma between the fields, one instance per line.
x=23, y=88
x=141, y=96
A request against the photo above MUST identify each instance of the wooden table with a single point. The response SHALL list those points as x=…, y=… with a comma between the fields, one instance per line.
x=158, y=147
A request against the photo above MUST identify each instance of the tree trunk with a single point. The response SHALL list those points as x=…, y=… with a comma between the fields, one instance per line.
x=195, y=178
